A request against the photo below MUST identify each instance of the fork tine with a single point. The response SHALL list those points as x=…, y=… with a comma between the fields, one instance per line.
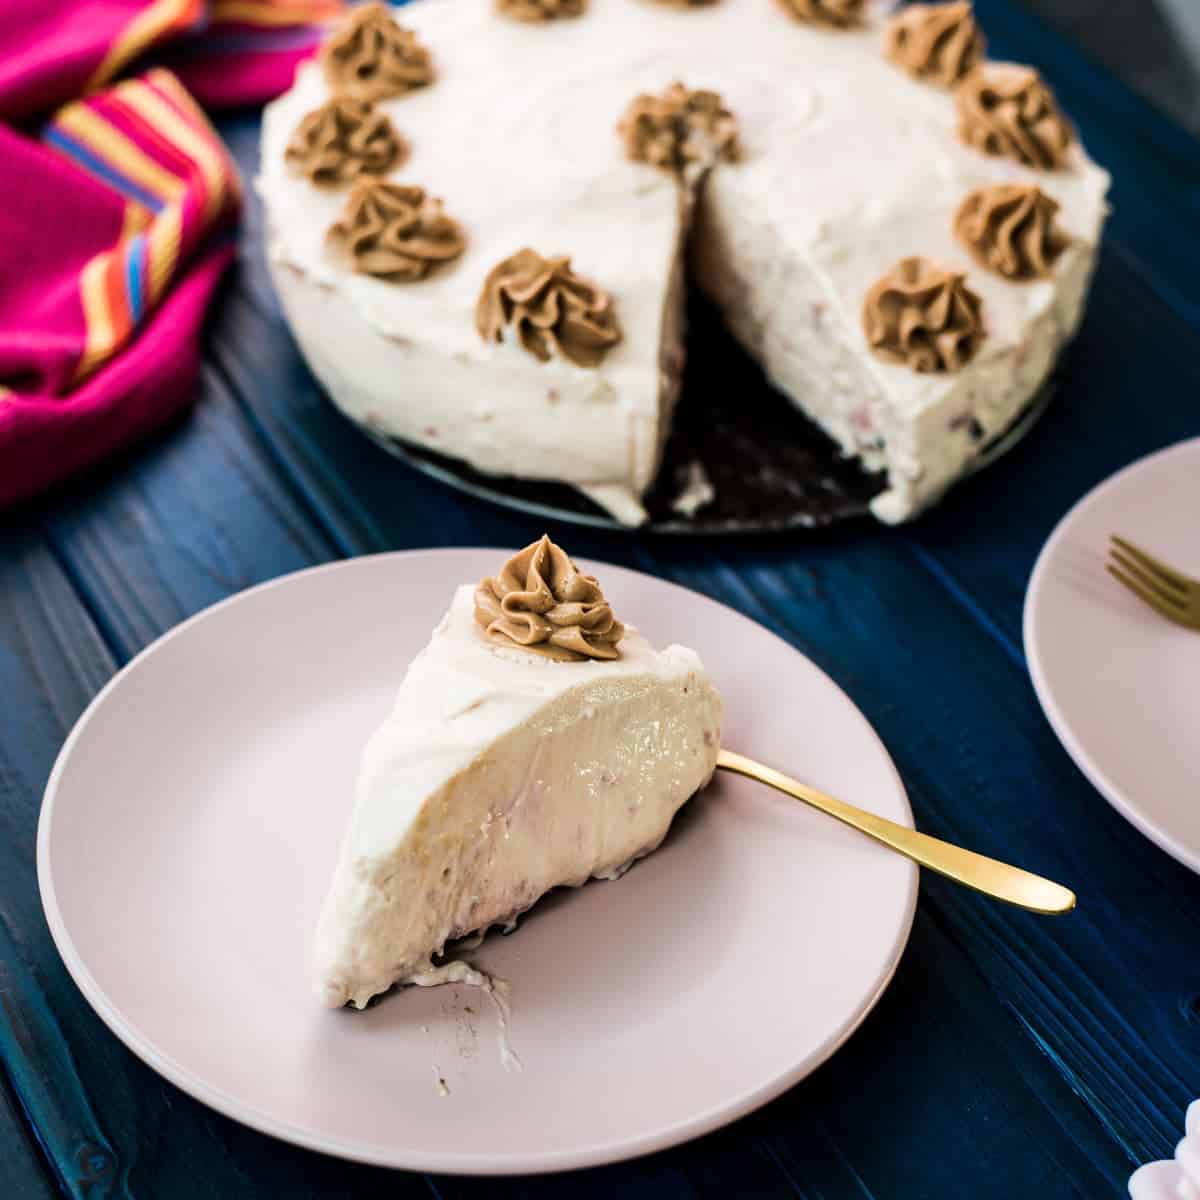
x=1170, y=611
x=1160, y=587
x=1150, y=563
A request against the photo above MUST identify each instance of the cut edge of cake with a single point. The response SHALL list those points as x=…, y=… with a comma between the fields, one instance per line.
x=499, y=775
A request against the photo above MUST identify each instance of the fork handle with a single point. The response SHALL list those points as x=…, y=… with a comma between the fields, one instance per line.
x=987, y=875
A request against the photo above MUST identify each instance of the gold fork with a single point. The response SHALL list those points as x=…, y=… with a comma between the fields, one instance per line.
x=987, y=875
x=1169, y=592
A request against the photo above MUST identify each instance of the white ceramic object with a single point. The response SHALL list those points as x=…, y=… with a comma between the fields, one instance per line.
x=1119, y=684
x=1173, y=1179
x=191, y=824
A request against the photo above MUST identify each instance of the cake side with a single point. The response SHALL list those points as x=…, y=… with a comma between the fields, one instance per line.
x=497, y=777
x=500, y=419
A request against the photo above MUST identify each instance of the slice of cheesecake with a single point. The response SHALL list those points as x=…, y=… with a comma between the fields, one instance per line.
x=535, y=743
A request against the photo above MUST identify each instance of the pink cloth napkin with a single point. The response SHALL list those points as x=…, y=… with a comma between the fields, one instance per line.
x=118, y=209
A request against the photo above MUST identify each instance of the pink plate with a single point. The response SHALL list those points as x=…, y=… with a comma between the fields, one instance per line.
x=190, y=827
x=1119, y=684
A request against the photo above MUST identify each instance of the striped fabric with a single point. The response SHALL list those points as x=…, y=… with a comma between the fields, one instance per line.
x=270, y=12
x=146, y=139
x=120, y=207
x=156, y=22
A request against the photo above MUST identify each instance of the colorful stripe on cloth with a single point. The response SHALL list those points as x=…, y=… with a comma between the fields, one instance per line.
x=162, y=19
x=166, y=19
x=146, y=139
x=249, y=48
x=273, y=12
x=119, y=215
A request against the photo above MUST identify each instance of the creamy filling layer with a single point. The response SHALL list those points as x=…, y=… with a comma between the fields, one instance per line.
x=571, y=780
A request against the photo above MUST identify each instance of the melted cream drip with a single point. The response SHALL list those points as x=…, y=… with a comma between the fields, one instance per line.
x=496, y=990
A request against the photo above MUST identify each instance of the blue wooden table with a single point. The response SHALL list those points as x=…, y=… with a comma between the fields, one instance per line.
x=1012, y=1057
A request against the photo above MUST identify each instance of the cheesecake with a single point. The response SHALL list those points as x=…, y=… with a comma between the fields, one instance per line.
x=837, y=180
x=536, y=742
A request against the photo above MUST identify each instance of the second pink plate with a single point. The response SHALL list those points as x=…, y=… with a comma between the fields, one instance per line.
x=1119, y=684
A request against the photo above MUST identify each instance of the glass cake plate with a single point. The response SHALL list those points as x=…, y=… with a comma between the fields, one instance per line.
x=770, y=468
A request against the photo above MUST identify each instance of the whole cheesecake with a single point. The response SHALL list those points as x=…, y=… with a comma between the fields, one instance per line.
x=479, y=221
x=536, y=742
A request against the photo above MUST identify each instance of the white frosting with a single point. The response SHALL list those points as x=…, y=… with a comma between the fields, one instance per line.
x=848, y=166
x=498, y=776
x=1187, y=1156
x=1177, y=1179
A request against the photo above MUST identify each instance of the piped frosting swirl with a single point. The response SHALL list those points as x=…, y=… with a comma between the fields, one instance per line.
x=553, y=311
x=1010, y=229
x=936, y=43
x=1007, y=109
x=343, y=140
x=541, y=603
x=922, y=315
x=679, y=128
x=394, y=231
x=540, y=10
x=834, y=14
x=372, y=57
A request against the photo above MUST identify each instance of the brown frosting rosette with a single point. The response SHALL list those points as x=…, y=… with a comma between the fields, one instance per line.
x=343, y=140
x=540, y=10
x=923, y=316
x=395, y=231
x=679, y=128
x=372, y=57
x=541, y=603
x=836, y=14
x=937, y=43
x=553, y=310
x=1010, y=229
x=1008, y=110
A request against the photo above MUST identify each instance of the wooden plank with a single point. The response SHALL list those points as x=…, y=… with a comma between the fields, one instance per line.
x=50, y=660
x=197, y=514
x=106, y=1124
x=24, y=1170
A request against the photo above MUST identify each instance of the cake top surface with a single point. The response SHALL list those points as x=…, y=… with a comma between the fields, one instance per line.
x=843, y=158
